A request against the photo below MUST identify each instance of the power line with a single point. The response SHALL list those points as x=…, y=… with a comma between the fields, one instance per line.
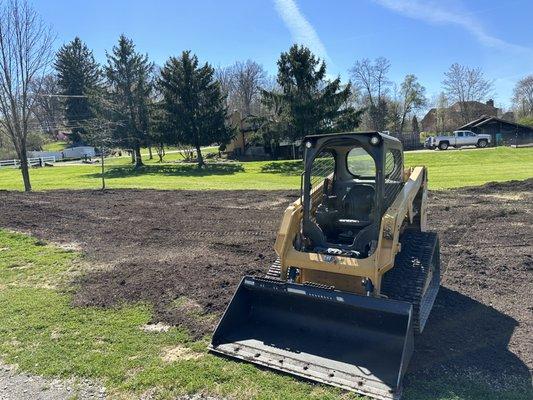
x=61, y=95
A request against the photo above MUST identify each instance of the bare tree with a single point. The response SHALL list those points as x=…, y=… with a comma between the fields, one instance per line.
x=48, y=109
x=371, y=78
x=99, y=133
x=249, y=78
x=465, y=86
x=25, y=55
x=523, y=97
x=226, y=79
x=394, y=109
x=413, y=98
x=241, y=85
x=442, y=119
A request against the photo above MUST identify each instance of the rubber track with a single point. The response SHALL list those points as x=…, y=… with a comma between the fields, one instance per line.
x=274, y=272
x=406, y=280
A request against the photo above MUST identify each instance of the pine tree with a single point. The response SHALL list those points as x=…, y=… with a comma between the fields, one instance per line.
x=78, y=75
x=129, y=77
x=193, y=103
x=414, y=125
x=313, y=104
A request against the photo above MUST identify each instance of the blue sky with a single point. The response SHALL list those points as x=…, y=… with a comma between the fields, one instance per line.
x=423, y=37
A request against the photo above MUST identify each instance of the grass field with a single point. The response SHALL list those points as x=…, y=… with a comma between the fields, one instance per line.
x=448, y=169
x=55, y=146
x=42, y=333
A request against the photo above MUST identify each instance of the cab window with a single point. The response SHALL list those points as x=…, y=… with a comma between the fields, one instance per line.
x=323, y=167
x=360, y=163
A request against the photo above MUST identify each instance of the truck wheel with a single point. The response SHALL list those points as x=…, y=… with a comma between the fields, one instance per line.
x=482, y=144
x=443, y=145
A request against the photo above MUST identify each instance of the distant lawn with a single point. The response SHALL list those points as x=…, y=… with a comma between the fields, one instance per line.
x=447, y=169
x=55, y=146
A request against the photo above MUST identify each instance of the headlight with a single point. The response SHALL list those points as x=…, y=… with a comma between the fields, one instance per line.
x=308, y=145
x=375, y=140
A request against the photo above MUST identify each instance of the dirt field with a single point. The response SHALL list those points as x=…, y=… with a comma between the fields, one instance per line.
x=185, y=252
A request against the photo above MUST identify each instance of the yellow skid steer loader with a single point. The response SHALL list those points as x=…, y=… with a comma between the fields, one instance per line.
x=357, y=272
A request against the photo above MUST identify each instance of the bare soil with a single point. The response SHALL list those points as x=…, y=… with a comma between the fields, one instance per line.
x=186, y=251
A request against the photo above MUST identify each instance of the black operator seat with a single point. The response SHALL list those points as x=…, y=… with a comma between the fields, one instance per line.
x=357, y=207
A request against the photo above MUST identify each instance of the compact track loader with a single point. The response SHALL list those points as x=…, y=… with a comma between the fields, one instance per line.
x=357, y=272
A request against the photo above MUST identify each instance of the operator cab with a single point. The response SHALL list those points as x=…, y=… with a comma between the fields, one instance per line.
x=350, y=180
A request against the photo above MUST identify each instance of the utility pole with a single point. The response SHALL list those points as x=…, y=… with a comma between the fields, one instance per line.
x=102, y=161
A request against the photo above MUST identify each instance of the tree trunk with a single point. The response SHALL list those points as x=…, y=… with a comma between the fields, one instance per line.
x=150, y=155
x=199, y=156
x=402, y=123
x=160, y=152
x=132, y=156
x=102, y=160
x=138, y=157
x=24, y=169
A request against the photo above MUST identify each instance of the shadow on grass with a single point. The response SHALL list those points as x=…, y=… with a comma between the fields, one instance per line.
x=464, y=353
x=172, y=170
x=293, y=167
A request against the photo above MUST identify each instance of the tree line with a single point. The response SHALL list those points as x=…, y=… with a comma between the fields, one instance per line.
x=130, y=103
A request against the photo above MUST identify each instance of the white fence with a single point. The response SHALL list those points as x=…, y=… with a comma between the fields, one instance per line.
x=31, y=161
x=68, y=153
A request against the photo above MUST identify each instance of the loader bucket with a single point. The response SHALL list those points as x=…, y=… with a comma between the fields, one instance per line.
x=358, y=343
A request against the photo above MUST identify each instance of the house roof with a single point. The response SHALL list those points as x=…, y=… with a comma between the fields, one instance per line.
x=485, y=119
x=455, y=108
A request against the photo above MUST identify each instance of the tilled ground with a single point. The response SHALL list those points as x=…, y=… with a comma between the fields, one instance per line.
x=186, y=251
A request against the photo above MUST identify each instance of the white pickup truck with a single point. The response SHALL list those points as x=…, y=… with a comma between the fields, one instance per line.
x=458, y=139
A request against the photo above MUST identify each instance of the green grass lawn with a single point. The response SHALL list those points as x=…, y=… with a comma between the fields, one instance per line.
x=447, y=169
x=172, y=156
x=43, y=334
x=55, y=146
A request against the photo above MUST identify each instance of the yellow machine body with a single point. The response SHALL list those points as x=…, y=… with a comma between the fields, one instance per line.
x=346, y=273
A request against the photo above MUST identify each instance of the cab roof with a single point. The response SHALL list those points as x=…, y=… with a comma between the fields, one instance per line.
x=384, y=136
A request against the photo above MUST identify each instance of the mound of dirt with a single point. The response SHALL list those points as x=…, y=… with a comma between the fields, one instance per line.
x=186, y=251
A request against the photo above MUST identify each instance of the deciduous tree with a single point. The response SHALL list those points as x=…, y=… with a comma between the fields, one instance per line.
x=466, y=85
x=413, y=97
x=249, y=78
x=442, y=117
x=371, y=78
x=25, y=55
x=48, y=108
x=523, y=97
